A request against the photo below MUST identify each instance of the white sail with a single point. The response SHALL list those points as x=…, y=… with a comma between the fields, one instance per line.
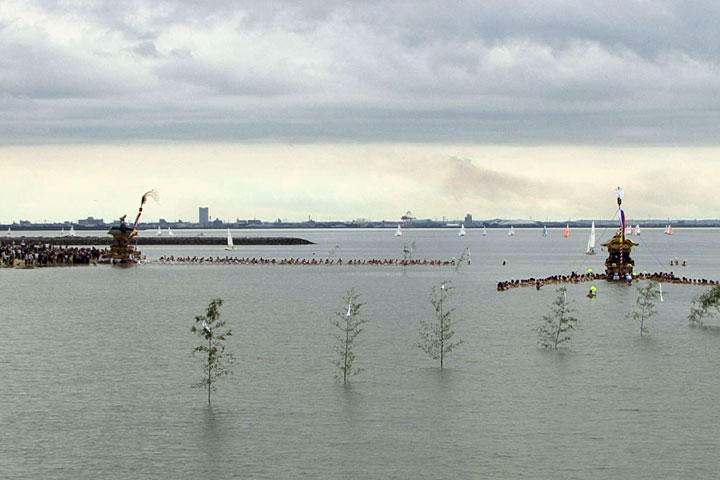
x=230, y=245
x=484, y=232
x=461, y=233
x=637, y=229
x=159, y=232
x=170, y=234
x=511, y=232
x=72, y=231
x=591, y=241
x=9, y=232
x=544, y=231
x=398, y=232
x=62, y=231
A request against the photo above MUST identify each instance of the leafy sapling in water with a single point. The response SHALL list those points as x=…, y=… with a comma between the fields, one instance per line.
x=706, y=305
x=645, y=304
x=407, y=253
x=436, y=337
x=348, y=323
x=215, y=359
x=556, y=327
x=464, y=258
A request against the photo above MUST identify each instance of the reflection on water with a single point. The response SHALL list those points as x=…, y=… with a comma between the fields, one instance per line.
x=96, y=368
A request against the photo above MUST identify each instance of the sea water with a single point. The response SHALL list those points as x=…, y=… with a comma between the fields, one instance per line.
x=96, y=366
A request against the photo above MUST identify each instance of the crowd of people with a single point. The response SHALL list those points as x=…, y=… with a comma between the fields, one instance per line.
x=590, y=276
x=228, y=260
x=29, y=255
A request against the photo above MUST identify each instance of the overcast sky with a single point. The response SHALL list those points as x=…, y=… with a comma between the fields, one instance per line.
x=471, y=101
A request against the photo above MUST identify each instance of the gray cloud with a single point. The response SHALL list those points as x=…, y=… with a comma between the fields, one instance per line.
x=517, y=71
x=467, y=181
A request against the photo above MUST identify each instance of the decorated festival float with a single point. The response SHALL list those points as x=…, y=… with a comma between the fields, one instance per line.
x=619, y=265
x=122, y=250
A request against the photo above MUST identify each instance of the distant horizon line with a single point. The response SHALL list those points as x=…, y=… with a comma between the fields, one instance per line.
x=416, y=223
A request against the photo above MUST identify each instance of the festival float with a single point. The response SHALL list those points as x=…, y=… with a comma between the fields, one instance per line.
x=619, y=264
x=122, y=250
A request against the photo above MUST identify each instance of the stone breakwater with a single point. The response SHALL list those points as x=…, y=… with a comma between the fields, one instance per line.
x=240, y=241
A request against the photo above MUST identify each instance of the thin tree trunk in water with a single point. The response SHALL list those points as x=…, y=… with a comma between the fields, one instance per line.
x=345, y=360
x=209, y=370
x=442, y=330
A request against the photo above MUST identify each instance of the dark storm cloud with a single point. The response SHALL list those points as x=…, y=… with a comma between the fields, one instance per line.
x=511, y=71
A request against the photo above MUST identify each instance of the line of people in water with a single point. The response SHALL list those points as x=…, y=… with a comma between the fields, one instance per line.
x=29, y=255
x=590, y=276
x=227, y=260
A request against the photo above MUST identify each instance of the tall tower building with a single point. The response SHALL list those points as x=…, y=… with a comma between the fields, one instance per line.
x=203, y=216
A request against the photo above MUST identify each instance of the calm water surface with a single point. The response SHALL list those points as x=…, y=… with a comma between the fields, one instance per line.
x=95, y=369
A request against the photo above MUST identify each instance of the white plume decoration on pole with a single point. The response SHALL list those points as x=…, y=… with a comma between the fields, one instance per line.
x=348, y=312
x=149, y=194
x=620, y=194
x=206, y=327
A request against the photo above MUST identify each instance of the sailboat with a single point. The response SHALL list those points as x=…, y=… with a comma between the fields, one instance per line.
x=669, y=230
x=170, y=234
x=62, y=231
x=9, y=232
x=230, y=245
x=637, y=229
x=484, y=232
x=511, y=232
x=72, y=231
x=628, y=230
x=398, y=232
x=544, y=231
x=159, y=232
x=566, y=233
x=591, y=241
x=461, y=233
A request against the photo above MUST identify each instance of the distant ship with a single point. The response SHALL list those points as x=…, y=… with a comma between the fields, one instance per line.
x=461, y=233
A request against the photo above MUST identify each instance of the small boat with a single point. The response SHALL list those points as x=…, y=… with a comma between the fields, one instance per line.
x=591, y=241
x=511, y=232
x=159, y=232
x=230, y=245
x=461, y=233
x=544, y=231
x=62, y=231
x=628, y=230
x=637, y=229
x=170, y=234
x=669, y=230
x=9, y=233
x=484, y=232
x=566, y=233
x=71, y=232
x=398, y=232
